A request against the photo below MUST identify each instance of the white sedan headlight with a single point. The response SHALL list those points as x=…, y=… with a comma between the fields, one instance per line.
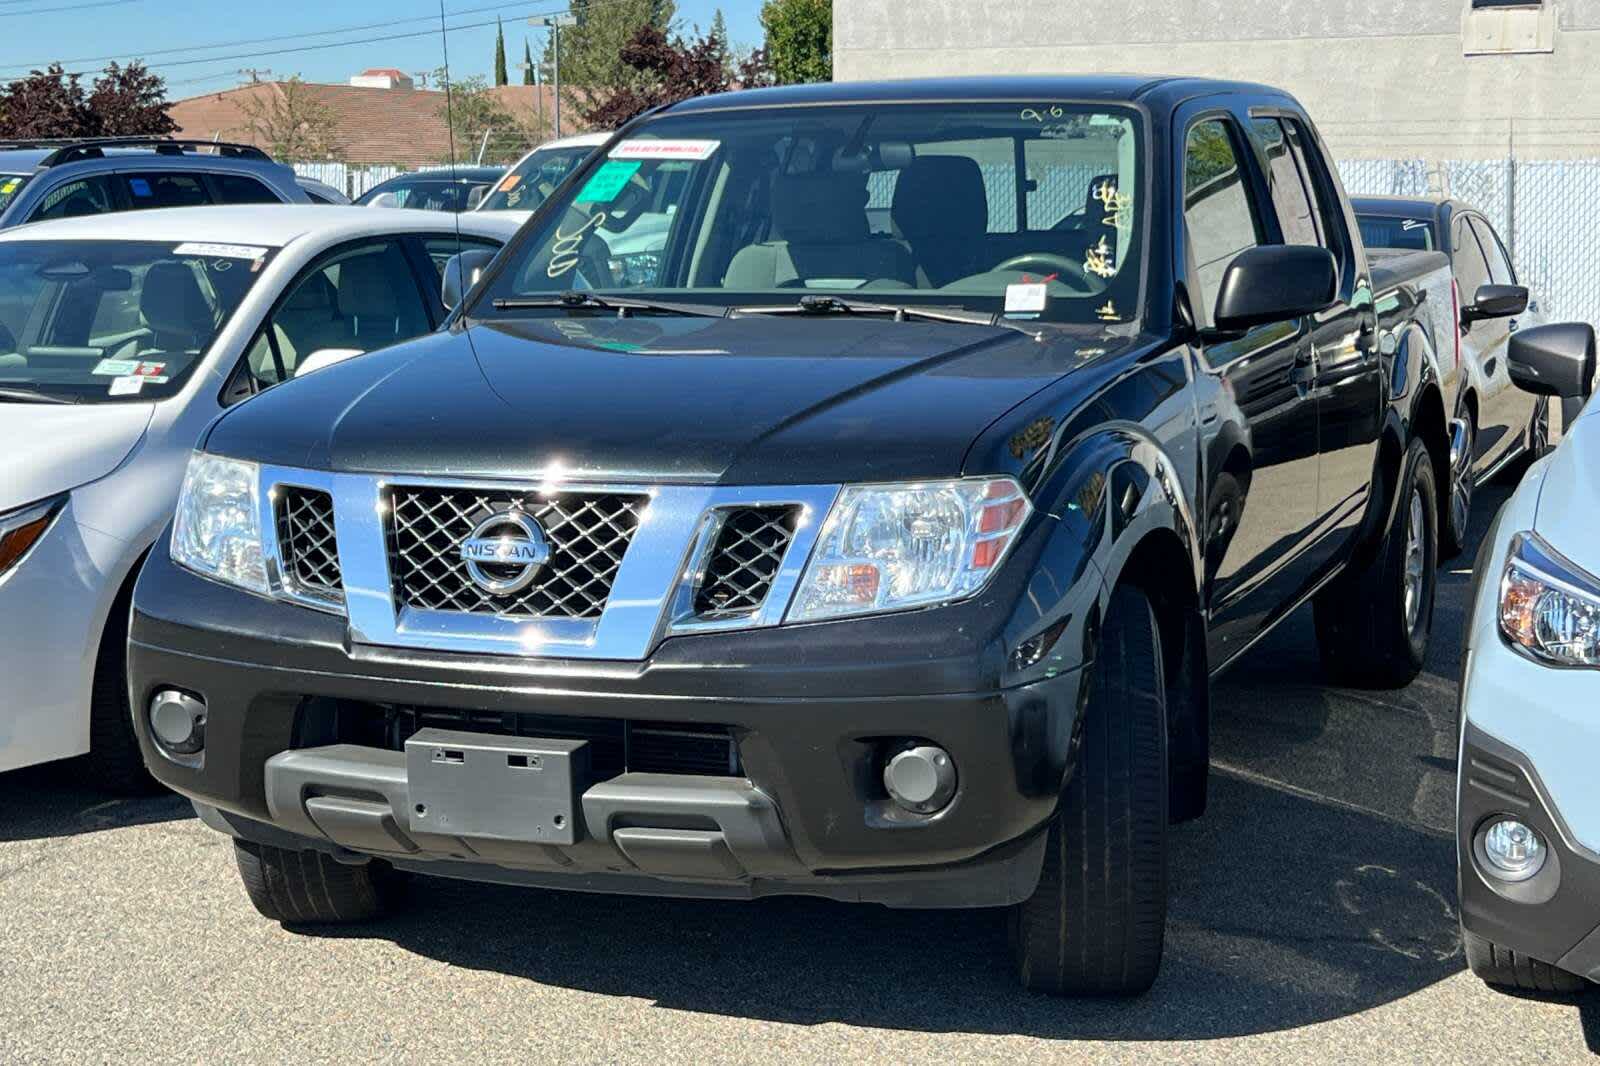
x=217, y=530
x=1549, y=607
x=891, y=547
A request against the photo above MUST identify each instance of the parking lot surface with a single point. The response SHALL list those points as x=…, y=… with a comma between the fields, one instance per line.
x=1312, y=920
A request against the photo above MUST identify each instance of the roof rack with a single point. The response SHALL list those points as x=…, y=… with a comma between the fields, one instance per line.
x=73, y=149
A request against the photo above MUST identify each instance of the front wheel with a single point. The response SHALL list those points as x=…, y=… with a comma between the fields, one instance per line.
x=1096, y=923
x=1373, y=622
x=309, y=887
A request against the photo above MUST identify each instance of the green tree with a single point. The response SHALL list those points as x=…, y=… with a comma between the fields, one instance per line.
x=591, y=50
x=290, y=122
x=472, y=112
x=501, y=77
x=527, y=64
x=799, y=44
x=719, y=34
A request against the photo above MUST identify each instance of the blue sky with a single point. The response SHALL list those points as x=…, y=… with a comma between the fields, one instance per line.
x=167, y=34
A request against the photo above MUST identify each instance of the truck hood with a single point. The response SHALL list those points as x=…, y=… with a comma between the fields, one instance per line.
x=748, y=400
x=1571, y=493
x=50, y=448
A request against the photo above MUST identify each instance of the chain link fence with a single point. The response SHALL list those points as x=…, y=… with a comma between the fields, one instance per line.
x=1542, y=209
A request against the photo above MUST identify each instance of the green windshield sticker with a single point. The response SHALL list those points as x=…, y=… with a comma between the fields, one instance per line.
x=608, y=182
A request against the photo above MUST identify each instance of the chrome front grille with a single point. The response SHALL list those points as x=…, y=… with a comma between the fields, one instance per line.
x=745, y=559
x=307, y=545
x=587, y=533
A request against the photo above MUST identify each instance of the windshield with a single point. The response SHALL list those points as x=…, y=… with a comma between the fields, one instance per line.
x=10, y=185
x=530, y=183
x=1387, y=231
x=1027, y=210
x=93, y=321
x=425, y=194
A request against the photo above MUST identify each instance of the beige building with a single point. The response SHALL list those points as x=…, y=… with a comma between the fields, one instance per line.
x=1431, y=79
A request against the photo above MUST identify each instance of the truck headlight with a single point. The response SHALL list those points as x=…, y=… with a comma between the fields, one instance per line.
x=891, y=547
x=1549, y=607
x=217, y=529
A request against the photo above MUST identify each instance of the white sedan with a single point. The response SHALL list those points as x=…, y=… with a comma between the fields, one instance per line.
x=121, y=338
x=1528, y=795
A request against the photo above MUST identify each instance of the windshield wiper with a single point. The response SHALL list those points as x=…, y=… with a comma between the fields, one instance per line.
x=29, y=396
x=622, y=305
x=819, y=304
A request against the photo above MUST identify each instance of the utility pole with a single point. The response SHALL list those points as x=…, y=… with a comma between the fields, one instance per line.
x=254, y=73
x=555, y=22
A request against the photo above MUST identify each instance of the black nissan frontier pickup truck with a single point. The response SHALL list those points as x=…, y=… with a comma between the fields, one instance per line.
x=841, y=490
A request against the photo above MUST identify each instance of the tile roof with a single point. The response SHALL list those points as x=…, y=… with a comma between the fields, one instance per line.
x=405, y=127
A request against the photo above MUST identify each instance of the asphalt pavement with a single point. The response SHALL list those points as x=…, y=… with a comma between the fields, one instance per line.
x=1312, y=920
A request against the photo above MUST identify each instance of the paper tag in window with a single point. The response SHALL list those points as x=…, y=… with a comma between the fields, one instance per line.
x=149, y=370
x=115, y=368
x=220, y=251
x=609, y=181
x=646, y=149
x=128, y=386
x=1026, y=298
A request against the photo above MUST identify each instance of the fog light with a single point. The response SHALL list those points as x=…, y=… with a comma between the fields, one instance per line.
x=1514, y=850
x=178, y=721
x=921, y=778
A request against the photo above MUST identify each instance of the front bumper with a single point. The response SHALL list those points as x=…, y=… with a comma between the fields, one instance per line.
x=809, y=708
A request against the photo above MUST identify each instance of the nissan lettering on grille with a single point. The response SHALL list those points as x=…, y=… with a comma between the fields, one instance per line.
x=505, y=553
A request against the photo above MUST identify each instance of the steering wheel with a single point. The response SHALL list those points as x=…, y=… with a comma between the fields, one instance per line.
x=1048, y=263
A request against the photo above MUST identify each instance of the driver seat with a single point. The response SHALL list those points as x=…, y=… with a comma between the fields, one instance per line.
x=175, y=310
x=941, y=209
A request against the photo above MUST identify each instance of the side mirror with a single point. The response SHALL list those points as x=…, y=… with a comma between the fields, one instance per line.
x=1495, y=301
x=385, y=199
x=461, y=273
x=324, y=357
x=475, y=196
x=1554, y=360
x=1272, y=283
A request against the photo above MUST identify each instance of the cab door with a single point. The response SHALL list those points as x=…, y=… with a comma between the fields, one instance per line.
x=1260, y=467
x=1348, y=377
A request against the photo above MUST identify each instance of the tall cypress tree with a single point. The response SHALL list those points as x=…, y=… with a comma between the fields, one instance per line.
x=500, y=75
x=527, y=64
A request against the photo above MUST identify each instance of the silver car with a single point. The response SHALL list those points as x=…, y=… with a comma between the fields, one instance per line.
x=121, y=337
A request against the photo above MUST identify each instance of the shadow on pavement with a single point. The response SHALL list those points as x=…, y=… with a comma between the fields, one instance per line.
x=56, y=800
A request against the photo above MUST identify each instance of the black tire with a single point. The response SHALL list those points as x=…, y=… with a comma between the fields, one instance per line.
x=1504, y=968
x=1366, y=634
x=115, y=763
x=309, y=887
x=1456, y=505
x=1096, y=923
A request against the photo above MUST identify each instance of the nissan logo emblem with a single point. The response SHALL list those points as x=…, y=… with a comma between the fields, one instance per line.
x=505, y=553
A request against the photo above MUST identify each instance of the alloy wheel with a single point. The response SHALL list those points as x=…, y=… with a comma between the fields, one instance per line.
x=1416, y=567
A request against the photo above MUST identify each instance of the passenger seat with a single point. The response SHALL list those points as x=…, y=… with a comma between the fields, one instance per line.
x=820, y=233
x=175, y=310
x=941, y=209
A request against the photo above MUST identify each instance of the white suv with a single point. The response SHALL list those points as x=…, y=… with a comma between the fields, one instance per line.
x=1528, y=807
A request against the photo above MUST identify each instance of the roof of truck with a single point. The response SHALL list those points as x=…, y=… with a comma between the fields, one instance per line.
x=1113, y=87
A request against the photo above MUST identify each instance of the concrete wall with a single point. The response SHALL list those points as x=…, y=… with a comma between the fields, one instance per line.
x=1382, y=78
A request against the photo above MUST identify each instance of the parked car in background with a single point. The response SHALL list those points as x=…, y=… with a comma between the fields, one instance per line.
x=1493, y=422
x=42, y=180
x=808, y=559
x=1528, y=811
x=531, y=180
x=443, y=189
x=120, y=338
x=321, y=192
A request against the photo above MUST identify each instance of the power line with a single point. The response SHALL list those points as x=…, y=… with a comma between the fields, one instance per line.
x=146, y=52
x=68, y=7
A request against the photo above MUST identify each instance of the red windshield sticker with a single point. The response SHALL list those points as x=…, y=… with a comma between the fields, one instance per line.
x=647, y=149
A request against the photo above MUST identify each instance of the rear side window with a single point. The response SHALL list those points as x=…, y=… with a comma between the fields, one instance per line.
x=1319, y=184
x=72, y=199
x=158, y=189
x=1218, y=214
x=239, y=189
x=1467, y=260
x=1500, y=271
